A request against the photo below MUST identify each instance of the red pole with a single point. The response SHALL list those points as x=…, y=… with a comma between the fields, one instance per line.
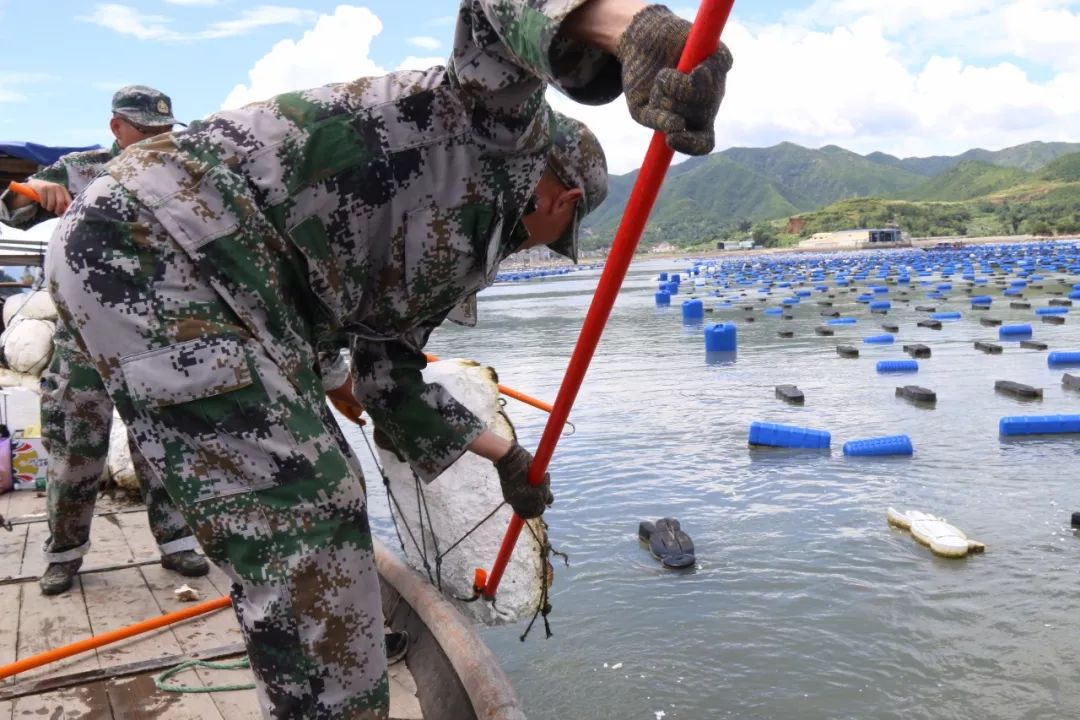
x=711, y=17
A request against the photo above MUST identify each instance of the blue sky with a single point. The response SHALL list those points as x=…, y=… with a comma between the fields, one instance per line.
x=910, y=77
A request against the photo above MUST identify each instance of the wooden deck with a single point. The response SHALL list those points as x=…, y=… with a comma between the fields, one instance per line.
x=121, y=582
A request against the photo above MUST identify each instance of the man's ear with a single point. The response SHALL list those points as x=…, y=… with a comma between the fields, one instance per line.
x=114, y=125
x=568, y=198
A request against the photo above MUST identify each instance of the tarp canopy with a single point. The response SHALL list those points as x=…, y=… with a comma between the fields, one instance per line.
x=40, y=154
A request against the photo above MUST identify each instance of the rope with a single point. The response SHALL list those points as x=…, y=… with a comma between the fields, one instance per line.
x=241, y=664
x=543, y=607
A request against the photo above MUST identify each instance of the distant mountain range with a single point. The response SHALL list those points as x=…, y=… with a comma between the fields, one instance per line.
x=705, y=197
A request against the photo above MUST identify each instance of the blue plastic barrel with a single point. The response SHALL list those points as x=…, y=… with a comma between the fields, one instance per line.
x=675, y=278
x=1006, y=331
x=663, y=277
x=663, y=298
x=1055, y=310
x=693, y=310
x=789, y=436
x=1039, y=424
x=840, y=321
x=887, y=366
x=945, y=316
x=981, y=299
x=880, y=305
x=720, y=337
x=673, y=288
x=878, y=339
x=1074, y=295
x=774, y=311
x=1063, y=357
x=888, y=445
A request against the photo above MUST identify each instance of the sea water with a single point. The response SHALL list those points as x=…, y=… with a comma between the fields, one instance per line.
x=804, y=602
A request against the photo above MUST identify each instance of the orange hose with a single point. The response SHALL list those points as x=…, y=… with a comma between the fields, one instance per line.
x=96, y=641
x=24, y=190
x=511, y=392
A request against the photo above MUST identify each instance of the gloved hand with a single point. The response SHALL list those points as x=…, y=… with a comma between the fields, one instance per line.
x=683, y=107
x=527, y=501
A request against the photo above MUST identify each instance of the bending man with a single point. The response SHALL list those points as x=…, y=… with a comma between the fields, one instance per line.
x=203, y=267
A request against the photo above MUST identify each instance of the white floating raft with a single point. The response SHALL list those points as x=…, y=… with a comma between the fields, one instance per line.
x=942, y=538
x=460, y=498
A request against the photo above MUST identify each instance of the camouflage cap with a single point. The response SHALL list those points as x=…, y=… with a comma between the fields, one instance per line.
x=143, y=106
x=578, y=161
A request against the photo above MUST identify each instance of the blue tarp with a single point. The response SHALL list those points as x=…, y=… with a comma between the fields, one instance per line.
x=41, y=154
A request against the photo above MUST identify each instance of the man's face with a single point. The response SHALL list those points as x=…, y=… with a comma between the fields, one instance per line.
x=555, y=206
x=128, y=133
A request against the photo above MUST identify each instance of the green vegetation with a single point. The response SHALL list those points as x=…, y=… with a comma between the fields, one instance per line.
x=744, y=193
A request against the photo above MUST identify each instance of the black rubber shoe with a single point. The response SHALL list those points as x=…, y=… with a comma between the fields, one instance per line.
x=59, y=576
x=397, y=646
x=186, y=562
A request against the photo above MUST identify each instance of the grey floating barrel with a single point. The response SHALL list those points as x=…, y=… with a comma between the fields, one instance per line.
x=790, y=394
x=1070, y=382
x=918, y=350
x=824, y=331
x=1019, y=390
x=1033, y=345
x=932, y=324
x=916, y=394
x=988, y=347
x=847, y=351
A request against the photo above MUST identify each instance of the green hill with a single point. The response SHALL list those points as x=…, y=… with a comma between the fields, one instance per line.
x=965, y=181
x=720, y=196
x=1065, y=169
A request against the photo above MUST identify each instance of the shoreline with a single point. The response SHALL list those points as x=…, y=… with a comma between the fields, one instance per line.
x=916, y=244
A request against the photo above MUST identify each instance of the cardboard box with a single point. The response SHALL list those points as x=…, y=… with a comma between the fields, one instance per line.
x=28, y=463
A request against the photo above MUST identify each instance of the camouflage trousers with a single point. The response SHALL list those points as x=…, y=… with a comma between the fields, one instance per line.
x=250, y=454
x=76, y=414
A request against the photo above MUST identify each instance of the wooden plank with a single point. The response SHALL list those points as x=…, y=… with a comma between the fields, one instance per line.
x=50, y=622
x=25, y=502
x=202, y=633
x=90, y=702
x=32, y=561
x=138, y=698
x=9, y=624
x=12, y=548
x=6, y=708
x=135, y=527
x=121, y=598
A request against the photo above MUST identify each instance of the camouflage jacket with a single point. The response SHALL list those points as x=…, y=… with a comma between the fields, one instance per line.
x=384, y=202
x=74, y=171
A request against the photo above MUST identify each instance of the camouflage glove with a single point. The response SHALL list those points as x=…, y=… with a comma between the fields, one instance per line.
x=528, y=501
x=683, y=107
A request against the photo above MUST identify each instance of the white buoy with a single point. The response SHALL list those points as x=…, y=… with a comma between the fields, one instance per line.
x=461, y=497
x=942, y=538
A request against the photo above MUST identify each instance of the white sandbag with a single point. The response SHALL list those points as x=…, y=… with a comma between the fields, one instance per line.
x=119, y=467
x=28, y=345
x=35, y=304
x=11, y=379
x=459, y=499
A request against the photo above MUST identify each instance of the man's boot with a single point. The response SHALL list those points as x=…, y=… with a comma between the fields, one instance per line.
x=59, y=576
x=186, y=562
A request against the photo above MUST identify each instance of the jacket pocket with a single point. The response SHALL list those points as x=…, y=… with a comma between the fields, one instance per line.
x=188, y=371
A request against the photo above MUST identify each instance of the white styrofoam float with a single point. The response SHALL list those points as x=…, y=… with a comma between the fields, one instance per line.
x=934, y=532
x=462, y=496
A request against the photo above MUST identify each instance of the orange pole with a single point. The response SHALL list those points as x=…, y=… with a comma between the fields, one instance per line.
x=511, y=392
x=90, y=643
x=24, y=190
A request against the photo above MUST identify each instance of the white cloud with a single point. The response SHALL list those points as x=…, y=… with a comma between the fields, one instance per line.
x=868, y=75
x=335, y=50
x=201, y=3
x=127, y=20
x=262, y=16
x=864, y=74
x=425, y=42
